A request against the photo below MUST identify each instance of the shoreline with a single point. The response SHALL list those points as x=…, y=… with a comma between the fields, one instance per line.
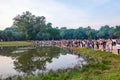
x=15, y=43
x=101, y=66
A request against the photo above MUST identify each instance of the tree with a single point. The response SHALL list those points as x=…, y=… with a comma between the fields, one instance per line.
x=69, y=34
x=117, y=31
x=29, y=24
x=104, y=32
x=1, y=36
x=54, y=33
x=111, y=33
x=80, y=33
x=30, y=27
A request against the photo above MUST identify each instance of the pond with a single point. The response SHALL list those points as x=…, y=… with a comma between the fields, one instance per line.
x=24, y=61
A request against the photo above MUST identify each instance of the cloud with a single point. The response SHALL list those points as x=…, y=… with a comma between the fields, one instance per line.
x=82, y=13
x=58, y=14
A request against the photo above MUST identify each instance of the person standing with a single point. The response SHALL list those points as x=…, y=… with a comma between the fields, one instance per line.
x=118, y=46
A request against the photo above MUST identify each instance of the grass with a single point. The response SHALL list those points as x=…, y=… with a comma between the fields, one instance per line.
x=102, y=66
x=15, y=43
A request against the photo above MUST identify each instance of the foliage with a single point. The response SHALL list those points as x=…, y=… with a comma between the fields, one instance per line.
x=35, y=27
x=30, y=27
x=117, y=31
x=102, y=66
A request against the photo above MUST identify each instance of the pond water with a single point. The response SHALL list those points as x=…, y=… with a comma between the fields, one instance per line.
x=33, y=61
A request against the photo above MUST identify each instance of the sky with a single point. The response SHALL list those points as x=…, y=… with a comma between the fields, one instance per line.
x=64, y=13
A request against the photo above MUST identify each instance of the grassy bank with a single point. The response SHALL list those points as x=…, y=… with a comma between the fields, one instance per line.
x=102, y=66
x=15, y=43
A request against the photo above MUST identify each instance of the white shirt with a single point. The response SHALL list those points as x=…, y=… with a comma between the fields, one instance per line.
x=118, y=46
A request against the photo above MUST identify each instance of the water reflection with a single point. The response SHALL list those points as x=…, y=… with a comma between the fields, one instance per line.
x=36, y=59
x=32, y=61
x=6, y=67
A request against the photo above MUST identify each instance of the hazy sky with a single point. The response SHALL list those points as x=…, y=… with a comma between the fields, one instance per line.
x=69, y=13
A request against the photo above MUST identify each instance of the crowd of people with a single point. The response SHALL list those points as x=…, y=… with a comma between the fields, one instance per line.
x=108, y=45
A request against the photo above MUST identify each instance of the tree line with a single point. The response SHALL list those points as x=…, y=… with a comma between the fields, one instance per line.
x=30, y=27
